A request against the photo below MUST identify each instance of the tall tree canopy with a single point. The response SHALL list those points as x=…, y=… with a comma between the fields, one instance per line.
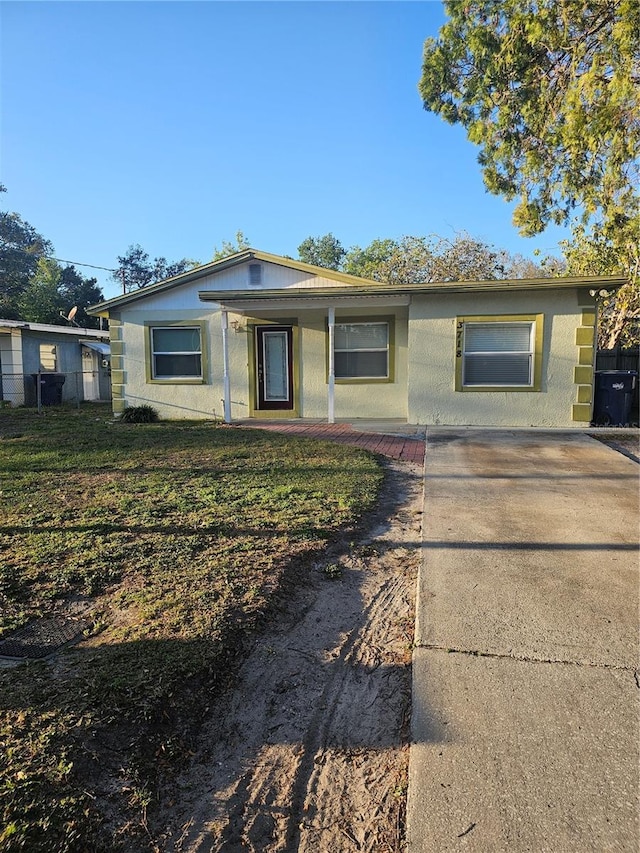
x=324, y=251
x=76, y=290
x=230, y=247
x=34, y=286
x=52, y=291
x=550, y=91
x=421, y=259
x=136, y=269
x=589, y=252
x=21, y=247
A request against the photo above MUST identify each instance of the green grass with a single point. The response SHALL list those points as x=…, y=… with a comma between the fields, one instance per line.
x=178, y=539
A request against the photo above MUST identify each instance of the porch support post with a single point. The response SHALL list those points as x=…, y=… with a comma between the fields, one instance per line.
x=332, y=369
x=225, y=366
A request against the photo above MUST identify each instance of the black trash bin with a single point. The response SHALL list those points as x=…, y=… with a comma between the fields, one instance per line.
x=614, y=398
x=50, y=387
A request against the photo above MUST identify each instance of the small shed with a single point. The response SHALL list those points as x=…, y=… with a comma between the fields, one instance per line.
x=81, y=358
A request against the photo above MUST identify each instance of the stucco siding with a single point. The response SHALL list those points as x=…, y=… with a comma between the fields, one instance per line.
x=173, y=400
x=205, y=400
x=432, y=361
x=352, y=399
x=423, y=387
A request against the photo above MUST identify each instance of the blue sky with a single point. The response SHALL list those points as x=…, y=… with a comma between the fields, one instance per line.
x=176, y=124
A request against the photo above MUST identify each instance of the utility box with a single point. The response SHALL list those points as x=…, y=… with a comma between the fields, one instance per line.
x=616, y=398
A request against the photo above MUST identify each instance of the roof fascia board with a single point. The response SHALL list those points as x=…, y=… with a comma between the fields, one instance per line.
x=76, y=331
x=343, y=301
x=377, y=289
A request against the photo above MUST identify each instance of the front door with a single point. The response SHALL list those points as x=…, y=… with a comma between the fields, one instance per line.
x=90, y=374
x=274, y=370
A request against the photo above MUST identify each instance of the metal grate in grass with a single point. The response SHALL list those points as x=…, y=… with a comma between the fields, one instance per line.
x=42, y=637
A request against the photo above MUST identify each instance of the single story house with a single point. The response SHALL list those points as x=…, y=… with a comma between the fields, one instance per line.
x=81, y=356
x=256, y=335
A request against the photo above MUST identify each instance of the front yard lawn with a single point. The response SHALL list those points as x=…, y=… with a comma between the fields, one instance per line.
x=173, y=541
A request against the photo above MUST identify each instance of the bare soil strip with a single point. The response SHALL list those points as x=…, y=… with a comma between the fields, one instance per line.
x=310, y=751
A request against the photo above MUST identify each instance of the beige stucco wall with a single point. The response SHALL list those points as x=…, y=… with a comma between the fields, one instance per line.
x=178, y=400
x=423, y=389
x=432, y=395
x=363, y=400
x=172, y=400
x=352, y=399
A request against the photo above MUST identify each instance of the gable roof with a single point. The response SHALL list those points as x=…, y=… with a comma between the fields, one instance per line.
x=376, y=288
x=351, y=284
x=223, y=264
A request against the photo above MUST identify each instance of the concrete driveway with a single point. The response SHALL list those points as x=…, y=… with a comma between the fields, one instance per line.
x=525, y=707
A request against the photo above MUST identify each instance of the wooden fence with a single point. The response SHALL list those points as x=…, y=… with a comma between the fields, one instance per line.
x=618, y=359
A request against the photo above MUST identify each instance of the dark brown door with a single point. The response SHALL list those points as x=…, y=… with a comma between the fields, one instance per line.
x=274, y=369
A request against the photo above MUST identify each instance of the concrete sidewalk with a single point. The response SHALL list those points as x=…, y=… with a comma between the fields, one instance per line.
x=525, y=707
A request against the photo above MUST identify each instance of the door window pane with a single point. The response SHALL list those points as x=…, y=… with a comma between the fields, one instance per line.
x=276, y=366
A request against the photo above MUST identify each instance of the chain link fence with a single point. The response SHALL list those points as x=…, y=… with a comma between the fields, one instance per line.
x=39, y=390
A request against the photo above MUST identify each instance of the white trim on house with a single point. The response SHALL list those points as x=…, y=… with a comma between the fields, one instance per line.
x=226, y=381
x=331, y=391
x=58, y=330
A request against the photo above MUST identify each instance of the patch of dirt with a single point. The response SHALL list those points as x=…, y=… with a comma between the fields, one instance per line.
x=626, y=443
x=309, y=752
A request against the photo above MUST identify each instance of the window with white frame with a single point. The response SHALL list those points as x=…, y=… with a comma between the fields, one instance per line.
x=361, y=350
x=176, y=352
x=497, y=354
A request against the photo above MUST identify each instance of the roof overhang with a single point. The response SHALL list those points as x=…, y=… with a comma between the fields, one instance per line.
x=241, y=303
x=74, y=331
x=345, y=285
x=103, y=349
x=383, y=295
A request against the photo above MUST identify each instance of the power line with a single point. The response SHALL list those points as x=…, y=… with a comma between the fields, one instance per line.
x=78, y=264
x=62, y=260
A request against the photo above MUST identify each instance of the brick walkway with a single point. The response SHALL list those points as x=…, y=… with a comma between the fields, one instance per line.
x=401, y=447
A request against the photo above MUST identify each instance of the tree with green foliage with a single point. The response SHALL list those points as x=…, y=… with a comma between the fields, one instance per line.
x=424, y=259
x=77, y=291
x=40, y=301
x=51, y=293
x=591, y=253
x=21, y=248
x=372, y=261
x=33, y=286
x=230, y=247
x=416, y=260
x=136, y=269
x=326, y=251
x=550, y=91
